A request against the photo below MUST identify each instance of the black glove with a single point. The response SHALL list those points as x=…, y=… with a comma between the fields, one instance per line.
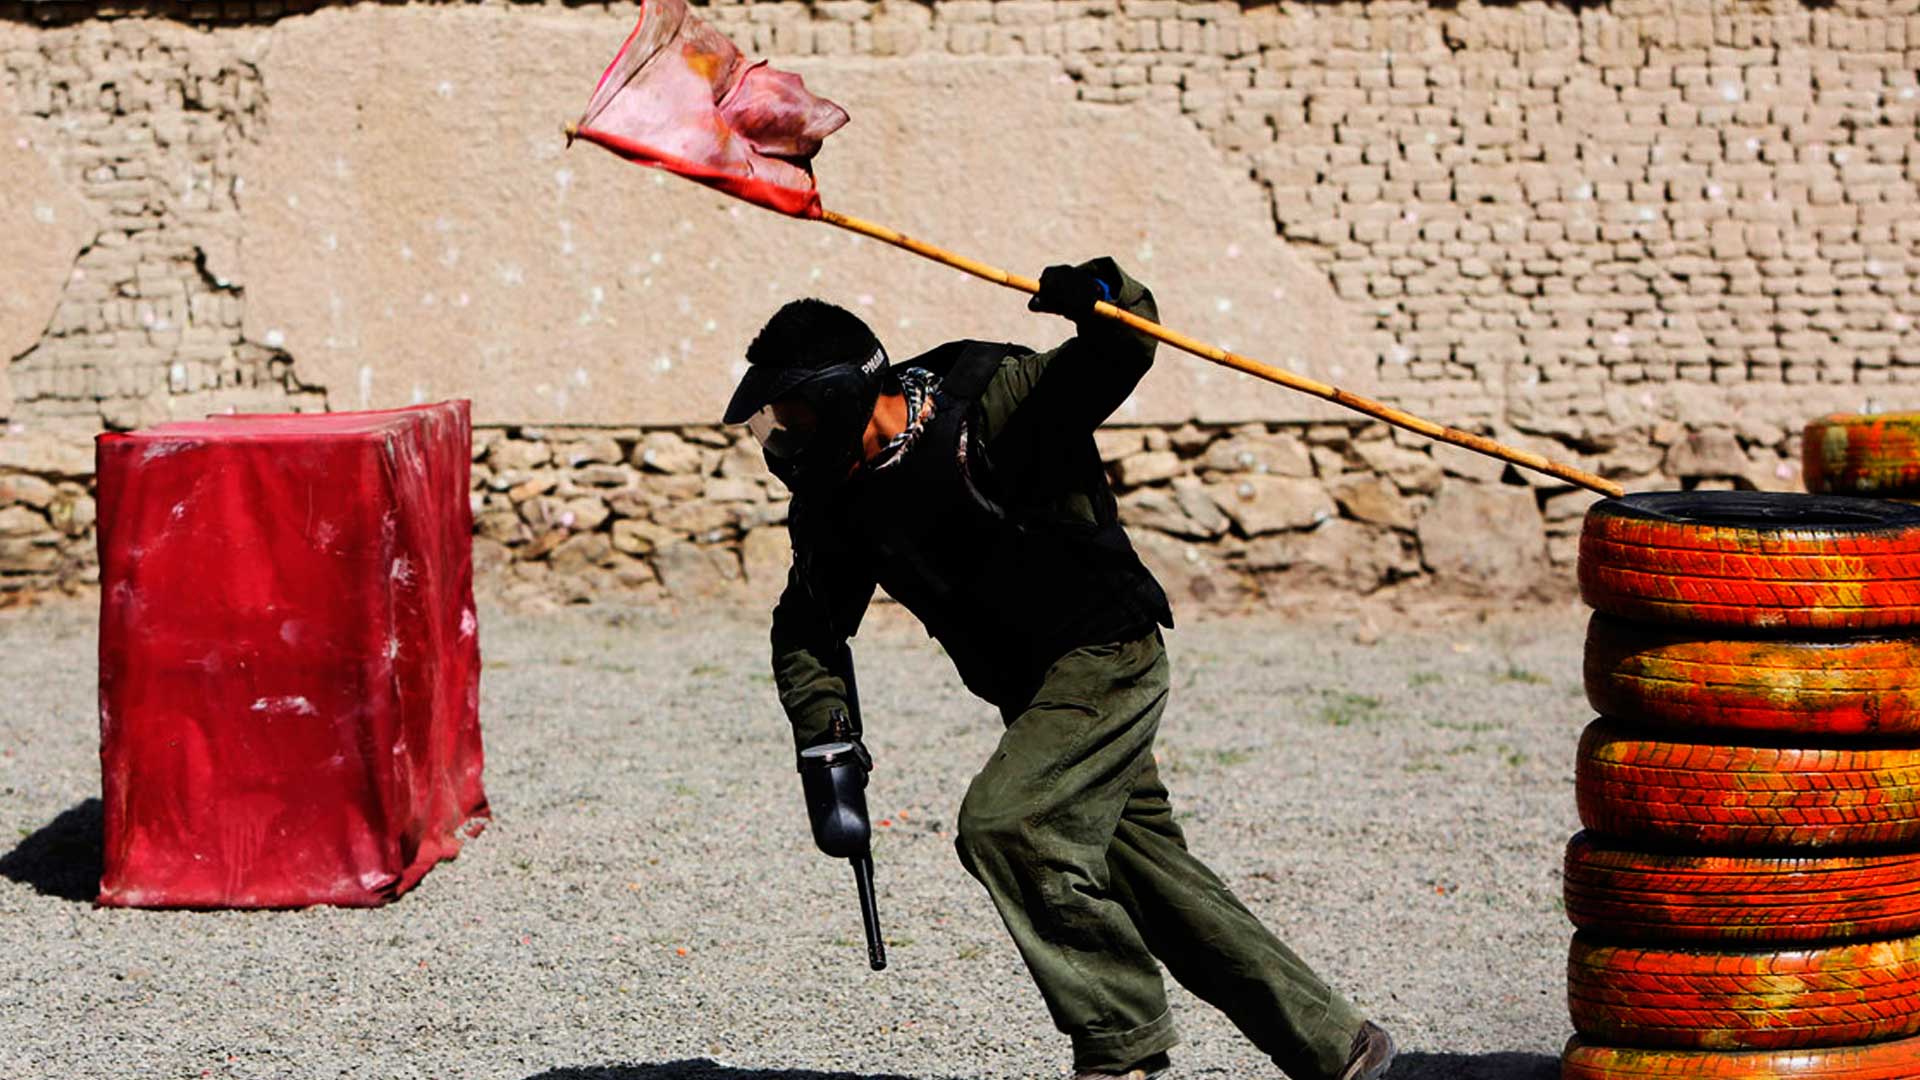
x=861, y=752
x=1070, y=291
x=840, y=729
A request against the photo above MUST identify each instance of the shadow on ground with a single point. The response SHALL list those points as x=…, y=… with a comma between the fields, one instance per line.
x=1407, y=1067
x=63, y=857
x=1505, y=1066
x=698, y=1069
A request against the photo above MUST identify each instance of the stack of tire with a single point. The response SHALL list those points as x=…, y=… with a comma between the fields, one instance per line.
x=1747, y=888
x=1876, y=456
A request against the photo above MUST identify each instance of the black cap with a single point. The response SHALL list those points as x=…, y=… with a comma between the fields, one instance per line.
x=804, y=338
x=763, y=385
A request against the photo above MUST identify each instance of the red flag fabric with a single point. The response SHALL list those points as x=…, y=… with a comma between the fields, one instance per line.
x=680, y=96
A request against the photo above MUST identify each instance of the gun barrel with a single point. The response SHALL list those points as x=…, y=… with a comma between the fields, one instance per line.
x=869, y=913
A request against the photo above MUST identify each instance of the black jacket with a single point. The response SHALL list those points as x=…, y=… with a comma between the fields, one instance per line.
x=997, y=529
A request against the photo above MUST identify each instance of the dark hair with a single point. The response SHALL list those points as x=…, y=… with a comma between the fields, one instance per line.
x=812, y=333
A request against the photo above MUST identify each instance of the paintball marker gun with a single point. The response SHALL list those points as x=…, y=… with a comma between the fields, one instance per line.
x=834, y=778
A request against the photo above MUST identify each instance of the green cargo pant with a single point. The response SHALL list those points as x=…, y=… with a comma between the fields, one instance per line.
x=1069, y=828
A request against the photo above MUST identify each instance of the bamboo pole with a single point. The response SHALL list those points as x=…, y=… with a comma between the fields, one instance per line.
x=1477, y=443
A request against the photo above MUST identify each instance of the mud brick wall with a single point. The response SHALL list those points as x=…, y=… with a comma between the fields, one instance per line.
x=1649, y=236
x=146, y=119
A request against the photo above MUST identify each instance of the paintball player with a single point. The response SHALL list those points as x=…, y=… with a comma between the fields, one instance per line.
x=967, y=483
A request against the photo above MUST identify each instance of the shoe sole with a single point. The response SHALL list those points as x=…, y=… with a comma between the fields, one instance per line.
x=1380, y=1070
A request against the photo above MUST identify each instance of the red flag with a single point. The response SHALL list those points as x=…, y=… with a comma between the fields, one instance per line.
x=679, y=96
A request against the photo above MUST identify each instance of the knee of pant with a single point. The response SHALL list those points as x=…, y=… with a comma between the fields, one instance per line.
x=981, y=833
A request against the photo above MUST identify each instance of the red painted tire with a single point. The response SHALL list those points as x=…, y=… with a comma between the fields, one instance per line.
x=1695, y=679
x=1897, y=1060
x=1876, y=456
x=1627, y=995
x=1751, y=560
x=1664, y=791
x=1721, y=901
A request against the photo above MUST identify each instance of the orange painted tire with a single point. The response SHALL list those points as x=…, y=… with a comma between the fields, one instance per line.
x=1664, y=791
x=1724, y=901
x=1752, y=560
x=1895, y=1060
x=1876, y=456
x=1629, y=995
x=1697, y=679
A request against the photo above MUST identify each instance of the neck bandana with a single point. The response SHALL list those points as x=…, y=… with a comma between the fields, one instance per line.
x=918, y=384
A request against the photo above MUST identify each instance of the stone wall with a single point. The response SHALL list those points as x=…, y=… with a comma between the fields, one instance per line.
x=1228, y=517
x=1650, y=236
x=46, y=516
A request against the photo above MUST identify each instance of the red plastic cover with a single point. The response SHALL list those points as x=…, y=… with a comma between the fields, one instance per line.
x=289, y=657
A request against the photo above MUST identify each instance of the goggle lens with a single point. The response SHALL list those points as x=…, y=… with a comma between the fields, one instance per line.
x=783, y=428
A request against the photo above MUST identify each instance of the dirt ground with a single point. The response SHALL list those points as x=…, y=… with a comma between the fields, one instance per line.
x=1392, y=794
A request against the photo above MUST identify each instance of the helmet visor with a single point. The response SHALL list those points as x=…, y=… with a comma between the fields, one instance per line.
x=784, y=428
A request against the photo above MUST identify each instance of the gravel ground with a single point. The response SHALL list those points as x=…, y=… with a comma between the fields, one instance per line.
x=646, y=904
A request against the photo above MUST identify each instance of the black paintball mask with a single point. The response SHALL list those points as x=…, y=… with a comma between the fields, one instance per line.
x=810, y=413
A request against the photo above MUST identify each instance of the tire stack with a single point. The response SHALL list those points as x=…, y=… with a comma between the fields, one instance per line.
x=1747, y=888
x=1876, y=456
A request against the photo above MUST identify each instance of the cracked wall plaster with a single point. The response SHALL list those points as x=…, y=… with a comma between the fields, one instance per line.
x=46, y=225
x=141, y=118
x=415, y=230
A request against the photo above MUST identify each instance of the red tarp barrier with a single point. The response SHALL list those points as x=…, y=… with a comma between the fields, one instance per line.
x=289, y=657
